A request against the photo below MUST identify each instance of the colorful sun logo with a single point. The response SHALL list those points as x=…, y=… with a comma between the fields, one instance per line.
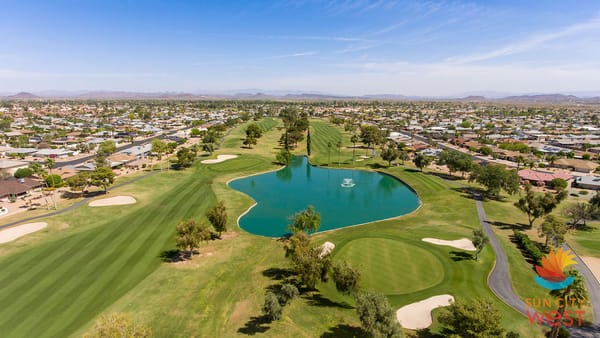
x=551, y=273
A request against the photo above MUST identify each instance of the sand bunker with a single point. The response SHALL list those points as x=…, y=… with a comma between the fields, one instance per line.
x=594, y=264
x=219, y=159
x=463, y=243
x=13, y=233
x=326, y=249
x=417, y=316
x=117, y=200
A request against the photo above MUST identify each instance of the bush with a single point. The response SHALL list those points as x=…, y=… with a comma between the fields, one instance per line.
x=271, y=308
x=23, y=172
x=583, y=192
x=529, y=246
x=287, y=293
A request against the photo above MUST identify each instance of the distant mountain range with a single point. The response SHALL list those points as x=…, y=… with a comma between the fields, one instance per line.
x=254, y=94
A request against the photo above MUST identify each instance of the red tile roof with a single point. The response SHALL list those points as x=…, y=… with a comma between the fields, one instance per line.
x=541, y=176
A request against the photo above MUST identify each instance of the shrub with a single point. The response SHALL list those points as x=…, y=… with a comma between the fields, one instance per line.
x=583, y=192
x=529, y=246
x=271, y=308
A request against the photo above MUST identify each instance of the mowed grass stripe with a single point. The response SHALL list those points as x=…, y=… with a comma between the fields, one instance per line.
x=122, y=264
x=390, y=266
x=88, y=260
x=92, y=242
x=96, y=255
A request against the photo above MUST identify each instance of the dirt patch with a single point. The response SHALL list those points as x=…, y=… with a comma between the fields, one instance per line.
x=240, y=310
x=594, y=264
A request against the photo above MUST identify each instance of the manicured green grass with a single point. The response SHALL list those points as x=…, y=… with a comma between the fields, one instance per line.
x=63, y=283
x=377, y=257
x=107, y=259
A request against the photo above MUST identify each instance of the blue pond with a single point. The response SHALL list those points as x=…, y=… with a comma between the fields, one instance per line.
x=365, y=197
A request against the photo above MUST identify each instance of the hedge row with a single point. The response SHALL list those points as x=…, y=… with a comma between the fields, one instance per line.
x=529, y=246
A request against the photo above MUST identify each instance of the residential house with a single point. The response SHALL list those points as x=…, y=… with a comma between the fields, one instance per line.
x=581, y=166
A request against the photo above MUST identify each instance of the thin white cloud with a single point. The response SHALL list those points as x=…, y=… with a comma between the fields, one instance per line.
x=531, y=42
x=314, y=37
x=294, y=55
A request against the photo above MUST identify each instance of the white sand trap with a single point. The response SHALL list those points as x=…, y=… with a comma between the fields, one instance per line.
x=417, y=316
x=463, y=243
x=117, y=200
x=13, y=233
x=326, y=249
x=594, y=264
x=219, y=159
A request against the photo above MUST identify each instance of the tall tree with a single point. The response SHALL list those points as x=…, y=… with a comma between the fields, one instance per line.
x=422, y=161
x=578, y=212
x=308, y=142
x=50, y=163
x=217, y=216
x=495, y=177
x=283, y=157
x=536, y=205
x=479, y=241
x=389, y=154
x=354, y=139
x=185, y=157
x=307, y=220
x=102, y=177
x=190, y=234
x=345, y=277
x=370, y=135
x=376, y=316
x=554, y=230
x=271, y=307
x=307, y=262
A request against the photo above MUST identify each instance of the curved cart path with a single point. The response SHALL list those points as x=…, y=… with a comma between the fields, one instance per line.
x=500, y=283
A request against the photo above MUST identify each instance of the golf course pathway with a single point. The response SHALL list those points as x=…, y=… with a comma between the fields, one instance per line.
x=500, y=283
x=499, y=278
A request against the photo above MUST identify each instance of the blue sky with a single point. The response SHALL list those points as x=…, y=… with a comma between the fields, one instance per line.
x=429, y=48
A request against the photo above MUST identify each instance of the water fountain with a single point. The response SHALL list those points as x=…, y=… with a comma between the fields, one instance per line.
x=348, y=183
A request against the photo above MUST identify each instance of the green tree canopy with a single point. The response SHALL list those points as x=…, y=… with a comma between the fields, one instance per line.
x=376, y=316
x=422, y=161
x=495, y=177
x=217, y=216
x=307, y=220
x=370, y=135
x=536, y=205
x=345, y=277
x=476, y=319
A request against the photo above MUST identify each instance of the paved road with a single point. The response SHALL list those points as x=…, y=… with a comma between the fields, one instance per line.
x=593, y=287
x=127, y=146
x=500, y=283
x=499, y=279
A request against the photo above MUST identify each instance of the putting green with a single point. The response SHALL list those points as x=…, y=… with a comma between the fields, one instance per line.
x=392, y=267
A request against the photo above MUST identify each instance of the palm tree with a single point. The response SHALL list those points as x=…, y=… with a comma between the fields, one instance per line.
x=572, y=294
x=49, y=163
x=354, y=139
x=339, y=146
